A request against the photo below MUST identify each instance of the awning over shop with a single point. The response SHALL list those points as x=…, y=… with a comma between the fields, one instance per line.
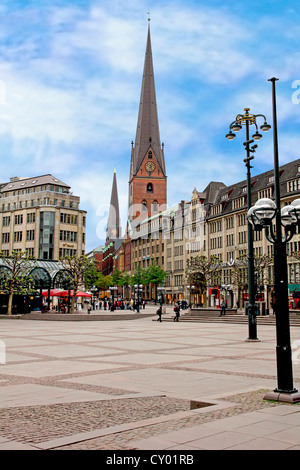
x=294, y=287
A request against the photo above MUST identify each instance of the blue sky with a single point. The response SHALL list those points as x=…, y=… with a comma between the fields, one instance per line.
x=70, y=80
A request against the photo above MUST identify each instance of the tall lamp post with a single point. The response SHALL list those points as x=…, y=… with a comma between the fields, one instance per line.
x=94, y=291
x=286, y=221
x=161, y=294
x=138, y=288
x=248, y=119
x=112, y=291
x=190, y=289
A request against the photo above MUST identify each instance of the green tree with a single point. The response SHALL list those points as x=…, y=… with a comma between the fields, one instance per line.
x=77, y=267
x=202, y=272
x=117, y=277
x=91, y=276
x=17, y=279
x=154, y=275
x=239, y=271
x=126, y=282
x=139, y=276
x=103, y=282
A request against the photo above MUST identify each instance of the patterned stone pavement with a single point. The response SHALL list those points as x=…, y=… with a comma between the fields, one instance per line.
x=115, y=384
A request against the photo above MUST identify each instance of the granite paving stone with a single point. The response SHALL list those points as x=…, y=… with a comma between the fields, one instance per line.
x=126, y=384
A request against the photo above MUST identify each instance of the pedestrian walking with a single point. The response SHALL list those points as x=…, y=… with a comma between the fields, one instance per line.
x=89, y=308
x=159, y=313
x=177, y=313
x=223, y=307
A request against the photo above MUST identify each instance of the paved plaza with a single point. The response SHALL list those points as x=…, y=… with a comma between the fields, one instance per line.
x=133, y=383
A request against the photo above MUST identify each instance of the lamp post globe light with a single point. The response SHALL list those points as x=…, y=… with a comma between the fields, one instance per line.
x=248, y=120
x=261, y=216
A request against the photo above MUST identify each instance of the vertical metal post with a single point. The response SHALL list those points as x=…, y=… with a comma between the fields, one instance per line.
x=283, y=349
x=252, y=321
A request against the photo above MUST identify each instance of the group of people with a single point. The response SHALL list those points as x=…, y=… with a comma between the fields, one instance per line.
x=122, y=304
x=177, y=308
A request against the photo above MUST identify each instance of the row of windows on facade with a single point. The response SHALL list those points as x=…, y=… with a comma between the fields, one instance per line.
x=68, y=236
x=30, y=218
x=18, y=236
x=146, y=251
x=194, y=230
x=292, y=247
x=241, y=201
x=64, y=235
x=38, y=202
x=63, y=252
x=145, y=263
x=36, y=189
x=217, y=226
x=138, y=243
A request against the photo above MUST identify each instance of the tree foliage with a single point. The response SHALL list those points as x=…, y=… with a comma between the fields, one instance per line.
x=15, y=275
x=239, y=272
x=154, y=274
x=202, y=271
x=77, y=268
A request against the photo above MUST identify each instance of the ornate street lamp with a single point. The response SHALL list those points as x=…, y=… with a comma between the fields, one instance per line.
x=190, y=289
x=138, y=288
x=246, y=120
x=94, y=291
x=112, y=291
x=161, y=292
x=286, y=219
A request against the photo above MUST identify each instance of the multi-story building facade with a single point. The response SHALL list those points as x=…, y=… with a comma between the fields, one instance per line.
x=227, y=237
x=185, y=239
x=41, y=216
x=214, y=223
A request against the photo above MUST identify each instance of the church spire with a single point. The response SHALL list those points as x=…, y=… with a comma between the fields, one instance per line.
x=113, y=230
x=147, y=133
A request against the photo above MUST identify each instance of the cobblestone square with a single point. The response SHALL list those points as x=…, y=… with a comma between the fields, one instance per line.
x=129, y=384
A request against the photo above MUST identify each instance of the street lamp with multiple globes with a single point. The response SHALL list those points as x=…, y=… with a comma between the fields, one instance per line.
x=161, y=292
x=112, y=291
x=138, y=288
x=287, y=219
x=246, y=120
x=190, y=289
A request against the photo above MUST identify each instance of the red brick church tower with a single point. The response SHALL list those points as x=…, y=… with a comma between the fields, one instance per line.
x=147, y=180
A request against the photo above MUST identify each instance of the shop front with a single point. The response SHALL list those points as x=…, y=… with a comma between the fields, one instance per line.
x=294, y=296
